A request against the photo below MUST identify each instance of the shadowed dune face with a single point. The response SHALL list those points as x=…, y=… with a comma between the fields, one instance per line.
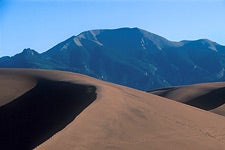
x=209, y=101
x=41, y=112
x=207, y=96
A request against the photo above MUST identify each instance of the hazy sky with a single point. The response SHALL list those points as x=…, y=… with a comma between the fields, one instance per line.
x=41, y=24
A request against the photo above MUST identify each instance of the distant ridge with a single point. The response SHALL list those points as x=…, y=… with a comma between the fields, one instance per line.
x=130, y=56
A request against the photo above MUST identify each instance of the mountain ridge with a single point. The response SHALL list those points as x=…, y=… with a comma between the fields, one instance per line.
x=130, y=56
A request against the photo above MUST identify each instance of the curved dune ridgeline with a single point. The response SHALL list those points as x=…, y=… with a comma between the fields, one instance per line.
x=39, y=113
x=61, y=110
x=207, y=96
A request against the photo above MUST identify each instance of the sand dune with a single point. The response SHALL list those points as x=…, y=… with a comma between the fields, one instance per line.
x=59, y=110
x=207, y=96
x=37, y=114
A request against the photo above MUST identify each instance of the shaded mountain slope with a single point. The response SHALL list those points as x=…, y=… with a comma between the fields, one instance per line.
x=207, y=96
x=119, y=118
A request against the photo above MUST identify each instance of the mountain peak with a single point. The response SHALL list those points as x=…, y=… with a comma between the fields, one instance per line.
x=202, y=42
x=28, y=51
x=123, y=34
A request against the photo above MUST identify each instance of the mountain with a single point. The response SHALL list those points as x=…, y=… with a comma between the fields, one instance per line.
x=130, y=56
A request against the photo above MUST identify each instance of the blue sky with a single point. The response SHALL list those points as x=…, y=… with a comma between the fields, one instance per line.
x=41, y=24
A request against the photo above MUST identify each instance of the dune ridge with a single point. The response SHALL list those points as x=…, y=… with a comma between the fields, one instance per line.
x=120, y=117
x=207, y=96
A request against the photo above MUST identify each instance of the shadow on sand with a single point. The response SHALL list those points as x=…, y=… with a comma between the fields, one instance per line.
x=210, y=100
x=46, y=109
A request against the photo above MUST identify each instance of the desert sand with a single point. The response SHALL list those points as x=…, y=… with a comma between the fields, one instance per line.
x=60, y=110
x=207, y=96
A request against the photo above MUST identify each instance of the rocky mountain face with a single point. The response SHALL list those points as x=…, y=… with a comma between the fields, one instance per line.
x=131, y=57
